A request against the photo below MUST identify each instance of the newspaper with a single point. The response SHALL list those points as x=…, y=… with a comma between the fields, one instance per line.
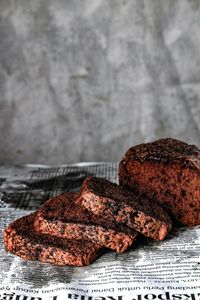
x=148, y=270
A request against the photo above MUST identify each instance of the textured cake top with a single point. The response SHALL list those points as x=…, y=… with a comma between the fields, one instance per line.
x=166, y=150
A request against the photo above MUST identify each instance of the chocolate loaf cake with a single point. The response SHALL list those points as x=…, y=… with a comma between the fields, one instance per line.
x=62, y=217
x=168, y=171
x=20, y=239
x=105, y=198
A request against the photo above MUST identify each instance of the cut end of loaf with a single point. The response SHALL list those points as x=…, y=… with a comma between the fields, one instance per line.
x=167, y=171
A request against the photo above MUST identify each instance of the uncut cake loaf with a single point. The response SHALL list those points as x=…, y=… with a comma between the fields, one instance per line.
x=20, y=239
x=62, y=217
x=167, y=170
x=107, y=199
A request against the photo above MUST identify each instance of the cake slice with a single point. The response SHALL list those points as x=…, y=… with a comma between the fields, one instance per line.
x=144, y=215
x=167, y=170
x=62, y=217
x=20, y=239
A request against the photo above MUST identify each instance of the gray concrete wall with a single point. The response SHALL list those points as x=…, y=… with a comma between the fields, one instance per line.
x=84, y=80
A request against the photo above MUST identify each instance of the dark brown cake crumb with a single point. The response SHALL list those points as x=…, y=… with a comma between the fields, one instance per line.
x=105, y=198
x=20, y=239
x=63, y=217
